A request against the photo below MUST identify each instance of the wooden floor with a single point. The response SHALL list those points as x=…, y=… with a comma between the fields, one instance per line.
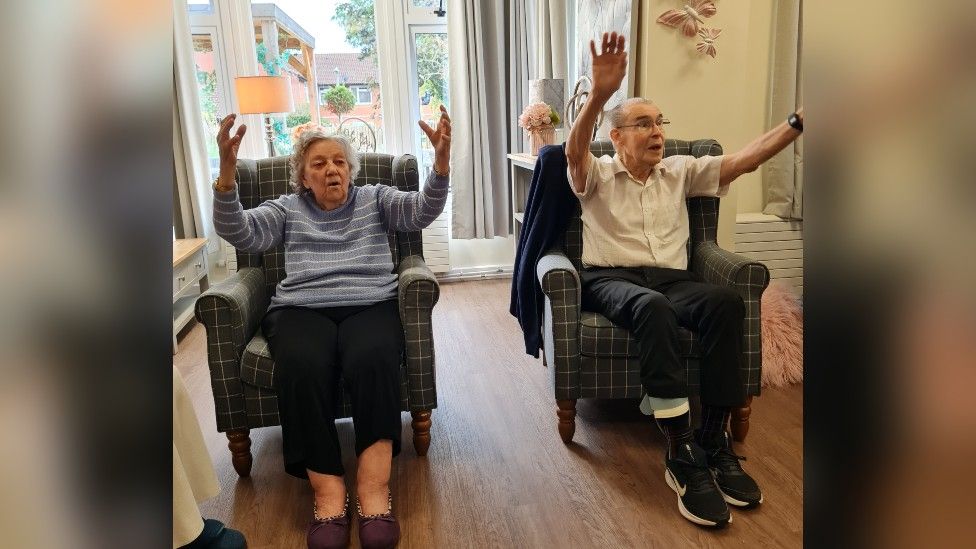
x=497, y=474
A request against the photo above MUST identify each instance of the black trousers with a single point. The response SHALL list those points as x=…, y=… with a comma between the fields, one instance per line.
x=652, y=302
x=311, y=349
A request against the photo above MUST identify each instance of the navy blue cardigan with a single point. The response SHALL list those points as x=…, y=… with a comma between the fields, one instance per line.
x=547, y=212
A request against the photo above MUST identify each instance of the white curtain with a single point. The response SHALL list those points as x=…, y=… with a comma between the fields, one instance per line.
x=783, y=174
x=189, y=146
x=490, y=54
x=551, y=34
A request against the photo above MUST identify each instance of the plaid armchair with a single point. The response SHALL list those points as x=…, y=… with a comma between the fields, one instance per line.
x=241, y=368
x=593, y=358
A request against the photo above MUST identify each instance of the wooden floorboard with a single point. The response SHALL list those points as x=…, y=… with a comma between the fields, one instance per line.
x=497, y=473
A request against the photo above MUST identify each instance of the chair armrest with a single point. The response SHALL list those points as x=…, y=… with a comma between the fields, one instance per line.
x=717, y=266
x=749, y=278
x=417, y=286
x=418, y=292
x=237, y=304
x=561, y=317
x=231, y=312
x=557, y=275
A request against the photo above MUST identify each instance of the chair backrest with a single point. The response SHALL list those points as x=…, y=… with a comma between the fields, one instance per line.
x=702, y=211
x=267, y=179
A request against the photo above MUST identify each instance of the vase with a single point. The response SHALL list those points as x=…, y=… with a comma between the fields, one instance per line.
x=541, y=137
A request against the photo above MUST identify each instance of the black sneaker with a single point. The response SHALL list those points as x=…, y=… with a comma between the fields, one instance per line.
x=699, y=499
x=737, y=487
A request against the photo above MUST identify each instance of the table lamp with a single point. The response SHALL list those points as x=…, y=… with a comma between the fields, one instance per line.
x=264, y=95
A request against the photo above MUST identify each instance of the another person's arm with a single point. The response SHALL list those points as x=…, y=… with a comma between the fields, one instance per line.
x=609, y=69
x=412, y=211
x=255, y=230
x=760, y=150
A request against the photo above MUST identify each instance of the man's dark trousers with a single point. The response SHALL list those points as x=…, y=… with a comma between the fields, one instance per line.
x=651, y=302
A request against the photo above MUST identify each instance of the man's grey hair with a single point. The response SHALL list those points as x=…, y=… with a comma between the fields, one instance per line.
x=300, y=152
x=617, y=115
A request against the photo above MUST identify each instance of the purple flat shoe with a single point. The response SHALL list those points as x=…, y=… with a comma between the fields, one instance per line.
x=330, y=532
x=381, y=531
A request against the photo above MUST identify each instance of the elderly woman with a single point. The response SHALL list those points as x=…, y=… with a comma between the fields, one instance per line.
x=335, y=312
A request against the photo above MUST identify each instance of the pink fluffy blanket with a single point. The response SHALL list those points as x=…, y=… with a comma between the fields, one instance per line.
x=782, y=335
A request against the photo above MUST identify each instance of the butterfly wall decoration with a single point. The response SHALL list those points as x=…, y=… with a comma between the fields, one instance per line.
x=690, y=20
x=707, y=45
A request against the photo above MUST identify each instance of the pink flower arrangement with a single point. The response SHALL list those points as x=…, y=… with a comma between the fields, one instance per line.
x=537, y=116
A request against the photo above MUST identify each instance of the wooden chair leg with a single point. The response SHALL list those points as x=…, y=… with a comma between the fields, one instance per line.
x=421, y=431
x=740, y=420
x=567, y=419
x=240, y=450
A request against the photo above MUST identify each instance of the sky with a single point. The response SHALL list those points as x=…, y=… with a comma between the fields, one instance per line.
x=315, y=16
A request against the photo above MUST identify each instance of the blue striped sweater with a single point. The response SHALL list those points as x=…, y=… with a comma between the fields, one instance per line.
x=332, y=258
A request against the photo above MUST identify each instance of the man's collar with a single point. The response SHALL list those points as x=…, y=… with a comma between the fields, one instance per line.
x=618, y=167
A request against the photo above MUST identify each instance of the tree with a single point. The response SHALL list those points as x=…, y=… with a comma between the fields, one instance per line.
x=356, y=16
x=207, y=82
x=432, y=66
x=274, y=66
x=339, y=100
x=299, y=117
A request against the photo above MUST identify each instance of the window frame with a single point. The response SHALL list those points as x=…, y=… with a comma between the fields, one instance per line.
x=200, y=9
x=397, y=23
x=369, y=95
x=220, y=92
x=414, y=90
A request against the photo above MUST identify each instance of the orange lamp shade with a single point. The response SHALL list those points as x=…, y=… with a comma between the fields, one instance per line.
x=264, y=94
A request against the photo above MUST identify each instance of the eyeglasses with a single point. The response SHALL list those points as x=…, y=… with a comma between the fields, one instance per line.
x=646, y=125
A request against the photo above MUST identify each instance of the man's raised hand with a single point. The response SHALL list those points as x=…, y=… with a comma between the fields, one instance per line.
x=609, y=66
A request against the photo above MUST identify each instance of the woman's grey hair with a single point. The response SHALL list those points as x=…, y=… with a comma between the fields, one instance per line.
x=300, y=152
x=617, y=115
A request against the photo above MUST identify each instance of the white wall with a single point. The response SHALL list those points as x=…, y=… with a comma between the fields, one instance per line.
x=468, y=254
x=724, y=98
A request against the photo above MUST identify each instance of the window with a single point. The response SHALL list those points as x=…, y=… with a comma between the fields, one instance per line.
x=430, y=68
x=210, y=64
x=363, y=95
x=413, y=54
x=199, y=6
x=413, y=51
x=206, y=63
x=435, y=7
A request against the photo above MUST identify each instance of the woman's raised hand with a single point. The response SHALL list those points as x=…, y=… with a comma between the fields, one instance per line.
x=440, y=138
x=228, y=145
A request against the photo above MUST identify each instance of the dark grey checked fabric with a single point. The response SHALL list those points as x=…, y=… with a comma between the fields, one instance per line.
x=417, y=294
x=231, y=312
x=601, y=338
x=241, y=368
x=592, y=357
x=617, y=378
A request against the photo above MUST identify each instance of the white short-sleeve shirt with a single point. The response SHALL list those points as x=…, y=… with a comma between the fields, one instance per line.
x=633, y=223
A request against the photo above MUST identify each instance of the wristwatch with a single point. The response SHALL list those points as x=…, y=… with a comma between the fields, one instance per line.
x=794, y=121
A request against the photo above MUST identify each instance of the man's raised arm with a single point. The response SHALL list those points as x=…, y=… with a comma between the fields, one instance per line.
x=609, y=68
x=760, y=150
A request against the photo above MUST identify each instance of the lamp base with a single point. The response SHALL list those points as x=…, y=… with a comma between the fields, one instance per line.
x=269, y=135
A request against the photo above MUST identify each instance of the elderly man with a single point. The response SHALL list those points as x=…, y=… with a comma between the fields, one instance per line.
x=635, y=233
